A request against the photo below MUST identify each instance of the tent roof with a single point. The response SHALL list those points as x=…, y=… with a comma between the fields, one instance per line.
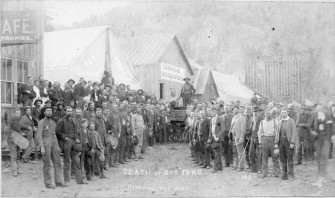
x=230, y=85
x=86, y=53
x=202, y=75
x=148, y=49
x=62, y=47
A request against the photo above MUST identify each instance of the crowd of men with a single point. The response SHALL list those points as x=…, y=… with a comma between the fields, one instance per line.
x=97, y=127
x=247, y=135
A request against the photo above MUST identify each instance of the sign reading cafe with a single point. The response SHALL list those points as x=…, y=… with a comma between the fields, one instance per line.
x=18, y=27
x=172, y=73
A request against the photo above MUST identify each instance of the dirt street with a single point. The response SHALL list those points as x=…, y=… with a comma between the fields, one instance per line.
x=167, y=171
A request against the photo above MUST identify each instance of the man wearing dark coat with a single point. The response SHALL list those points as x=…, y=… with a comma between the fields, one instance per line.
x=79, y=91
x=107, y=79
x=28, y=121
x=27, y=93
x=187, y=91
x=204, y=134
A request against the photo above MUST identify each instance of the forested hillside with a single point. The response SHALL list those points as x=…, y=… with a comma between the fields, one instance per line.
x=222, y=35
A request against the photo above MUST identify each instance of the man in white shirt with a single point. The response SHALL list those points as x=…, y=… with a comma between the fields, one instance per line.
x=238, y=129
x=266, y=136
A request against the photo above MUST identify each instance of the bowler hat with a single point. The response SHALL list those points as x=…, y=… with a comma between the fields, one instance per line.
x=186, y=78
x=71, y=80
x=37, y=101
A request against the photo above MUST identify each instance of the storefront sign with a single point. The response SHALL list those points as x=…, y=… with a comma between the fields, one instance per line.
x=18, y=27
x=172, y=73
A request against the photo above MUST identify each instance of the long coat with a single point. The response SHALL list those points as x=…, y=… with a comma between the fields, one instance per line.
x=205, y=129
x=100, y=127
x=219, y=129
x=23, y=91
x=291, y=133
x=239, y=126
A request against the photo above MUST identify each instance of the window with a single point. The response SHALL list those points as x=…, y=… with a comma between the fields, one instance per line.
x=161, y=90
x=7, y=81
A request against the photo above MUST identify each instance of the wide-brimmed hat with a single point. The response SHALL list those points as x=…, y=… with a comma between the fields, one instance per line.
x=235, y=106
x=71, y=80
x=186, y=78
x=37, y=101
x=114, y=141
x=101, y=157
x=140, y=90
x=60, y=103
x=208, y=147
x=77, y=147
x=95, y=84
x=121, y=85
x=134, y=140
x=215, y=145
x=27, y=107
x=45, y=107
x=91, y=153
x=256, y=109
x=279, y=104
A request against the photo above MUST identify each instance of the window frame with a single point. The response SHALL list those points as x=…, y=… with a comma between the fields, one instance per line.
x=8, y=81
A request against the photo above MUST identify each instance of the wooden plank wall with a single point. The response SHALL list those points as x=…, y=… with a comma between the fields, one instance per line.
x=281, y=78
x=173, y=56
x=33, y=53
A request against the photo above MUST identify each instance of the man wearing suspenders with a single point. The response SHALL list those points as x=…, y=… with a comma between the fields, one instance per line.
x=266, y=135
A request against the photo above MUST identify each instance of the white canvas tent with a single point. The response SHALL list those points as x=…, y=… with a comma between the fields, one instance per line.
x=87, y=52
x=230, y=88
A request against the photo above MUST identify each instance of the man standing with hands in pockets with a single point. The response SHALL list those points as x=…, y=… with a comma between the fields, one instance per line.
x=50, y=150
x=286, y=138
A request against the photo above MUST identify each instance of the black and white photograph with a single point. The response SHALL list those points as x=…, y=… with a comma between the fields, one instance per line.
x=167, y=98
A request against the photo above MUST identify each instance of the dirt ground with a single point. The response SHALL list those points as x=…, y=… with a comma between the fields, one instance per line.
x=167, y=171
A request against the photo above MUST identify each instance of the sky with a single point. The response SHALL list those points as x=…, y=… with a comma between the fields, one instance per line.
x=67, y=12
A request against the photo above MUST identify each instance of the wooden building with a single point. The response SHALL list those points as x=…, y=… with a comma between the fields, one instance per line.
x=275, y=77
x=22, y=27
x=204, y=83
x=159, y=63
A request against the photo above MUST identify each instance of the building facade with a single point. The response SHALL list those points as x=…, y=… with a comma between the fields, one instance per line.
x=22, y=27
x=159, y=63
